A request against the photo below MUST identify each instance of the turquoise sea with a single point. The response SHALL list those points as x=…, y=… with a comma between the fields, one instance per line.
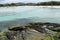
x=12, y=13
x=20, y=15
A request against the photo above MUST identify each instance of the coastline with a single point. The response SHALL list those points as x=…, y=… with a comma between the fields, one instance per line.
x=32, y=6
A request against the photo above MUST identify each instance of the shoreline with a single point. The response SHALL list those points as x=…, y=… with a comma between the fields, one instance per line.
x=33, y=6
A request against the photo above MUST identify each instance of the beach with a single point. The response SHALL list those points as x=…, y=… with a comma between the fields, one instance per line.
x=32, y=6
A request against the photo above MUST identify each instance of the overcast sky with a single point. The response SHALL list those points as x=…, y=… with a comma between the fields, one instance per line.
x=13, y=1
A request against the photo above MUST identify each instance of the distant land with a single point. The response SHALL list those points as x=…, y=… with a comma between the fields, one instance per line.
x=49, y=3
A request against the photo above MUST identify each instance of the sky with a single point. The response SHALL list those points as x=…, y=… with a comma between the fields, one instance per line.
x=15, y=1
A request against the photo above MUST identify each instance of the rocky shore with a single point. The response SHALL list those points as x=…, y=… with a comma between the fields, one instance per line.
x=32, y=31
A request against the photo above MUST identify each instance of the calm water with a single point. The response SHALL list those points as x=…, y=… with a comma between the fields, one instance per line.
x=41, y=14
x=12, y=13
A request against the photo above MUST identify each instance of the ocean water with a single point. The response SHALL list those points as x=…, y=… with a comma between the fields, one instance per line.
x=28, y=13
x=12, y=13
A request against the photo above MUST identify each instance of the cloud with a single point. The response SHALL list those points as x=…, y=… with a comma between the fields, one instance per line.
x=1, y=0
x=14, y=1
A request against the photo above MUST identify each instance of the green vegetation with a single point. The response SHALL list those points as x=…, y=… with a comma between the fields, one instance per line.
x=51, y=3
x=11, y=27
x=49, y=38
x=3, y=36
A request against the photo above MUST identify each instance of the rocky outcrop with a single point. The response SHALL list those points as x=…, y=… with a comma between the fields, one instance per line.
x=32, y=31
x=30, y=34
